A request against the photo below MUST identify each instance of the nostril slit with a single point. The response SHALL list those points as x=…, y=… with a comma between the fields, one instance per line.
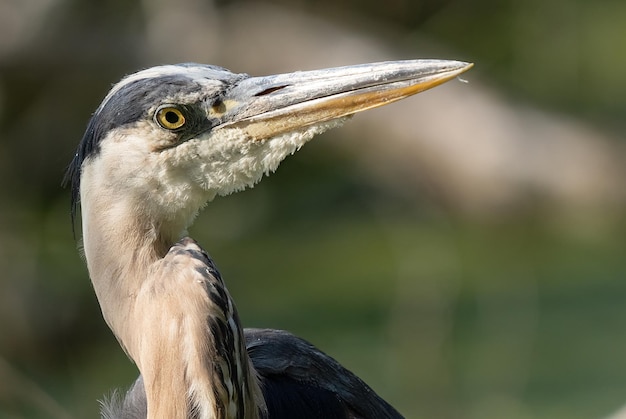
x=270, y=90
x=218, y=107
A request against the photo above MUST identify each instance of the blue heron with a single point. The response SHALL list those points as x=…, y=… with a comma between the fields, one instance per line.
x=163, y=143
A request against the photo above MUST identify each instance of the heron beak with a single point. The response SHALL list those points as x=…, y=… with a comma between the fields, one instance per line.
x=267, y=106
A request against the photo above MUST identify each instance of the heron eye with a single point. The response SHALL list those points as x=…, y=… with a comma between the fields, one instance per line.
x=170, y=117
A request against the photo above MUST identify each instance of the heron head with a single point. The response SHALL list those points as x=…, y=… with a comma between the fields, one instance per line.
x=168, y=139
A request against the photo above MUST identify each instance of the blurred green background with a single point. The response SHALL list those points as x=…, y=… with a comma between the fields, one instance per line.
x=463, y=251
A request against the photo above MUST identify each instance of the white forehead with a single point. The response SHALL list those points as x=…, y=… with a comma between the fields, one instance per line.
x=199, y=72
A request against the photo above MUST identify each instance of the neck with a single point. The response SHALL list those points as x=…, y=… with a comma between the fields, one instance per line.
x=210, y=370
x=161, y=317
x=120, y=250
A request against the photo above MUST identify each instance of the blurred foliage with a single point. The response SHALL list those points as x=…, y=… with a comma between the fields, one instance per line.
x=447, y=316
x=564, y=54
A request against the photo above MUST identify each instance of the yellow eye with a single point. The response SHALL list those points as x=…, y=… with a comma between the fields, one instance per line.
x=170, y=117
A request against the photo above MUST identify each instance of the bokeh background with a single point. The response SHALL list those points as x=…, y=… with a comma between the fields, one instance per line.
x=463, y=251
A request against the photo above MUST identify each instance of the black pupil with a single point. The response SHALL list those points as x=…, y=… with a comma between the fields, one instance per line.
x=172, y=117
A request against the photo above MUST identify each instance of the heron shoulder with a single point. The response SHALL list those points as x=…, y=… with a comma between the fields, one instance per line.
x=297, y=377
